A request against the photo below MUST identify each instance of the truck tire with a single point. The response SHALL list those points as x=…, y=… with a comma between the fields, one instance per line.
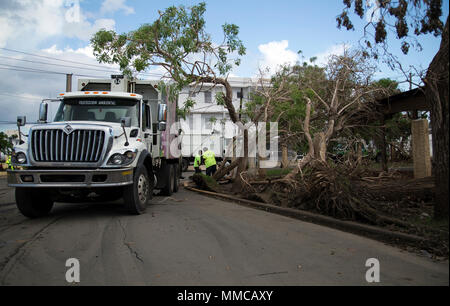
x=137, y=195
x=176, y=177
x=184, y=164
x=33, y=203
x=169, y=180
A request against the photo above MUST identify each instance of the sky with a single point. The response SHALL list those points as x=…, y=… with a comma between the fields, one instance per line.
x=272, y=31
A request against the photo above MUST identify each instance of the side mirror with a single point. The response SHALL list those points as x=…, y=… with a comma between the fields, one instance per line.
x=43, y=109
x=21, y=120
x=125, y=121
x=162, y=112
x=161, y=126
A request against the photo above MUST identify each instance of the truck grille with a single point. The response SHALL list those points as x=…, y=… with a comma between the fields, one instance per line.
x=54, y=145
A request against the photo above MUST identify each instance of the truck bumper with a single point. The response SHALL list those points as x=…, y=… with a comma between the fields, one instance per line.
x=70, y=177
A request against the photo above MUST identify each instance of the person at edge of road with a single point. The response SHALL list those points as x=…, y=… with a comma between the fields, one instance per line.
x=210, y=161
x=198, y=162
x=8, y=162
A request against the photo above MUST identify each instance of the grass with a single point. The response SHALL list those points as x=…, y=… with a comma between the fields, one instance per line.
x=403, y=164
x=277, y=172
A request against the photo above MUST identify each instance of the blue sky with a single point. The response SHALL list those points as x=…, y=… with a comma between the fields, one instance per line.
x=272, y=31
x=309, y=26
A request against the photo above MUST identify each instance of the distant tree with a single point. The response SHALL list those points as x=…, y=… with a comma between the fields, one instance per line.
x=408, y=20
x=5, y=144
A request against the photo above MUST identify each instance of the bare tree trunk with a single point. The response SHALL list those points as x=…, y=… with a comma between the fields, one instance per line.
x=224, y=170
x=242, y=166
x=436, y=93
x=320, y=146
x=359, y=153
x=284, y=156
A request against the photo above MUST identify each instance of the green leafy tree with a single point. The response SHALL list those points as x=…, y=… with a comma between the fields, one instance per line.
x=5, y=144
x=408, y=20
x=177, y=42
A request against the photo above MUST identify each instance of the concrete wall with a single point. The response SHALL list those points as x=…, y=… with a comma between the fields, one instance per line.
x=421, y=148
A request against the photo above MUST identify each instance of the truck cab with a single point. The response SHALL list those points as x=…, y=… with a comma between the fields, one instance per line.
x=101, y=146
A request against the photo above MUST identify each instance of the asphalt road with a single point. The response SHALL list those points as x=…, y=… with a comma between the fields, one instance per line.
x=190, y=239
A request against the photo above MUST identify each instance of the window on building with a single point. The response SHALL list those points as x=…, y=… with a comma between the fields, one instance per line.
x=208, y=97
x=239, y=94
x=208, y=121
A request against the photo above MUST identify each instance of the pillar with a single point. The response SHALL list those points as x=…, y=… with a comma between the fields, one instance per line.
x=421, y=148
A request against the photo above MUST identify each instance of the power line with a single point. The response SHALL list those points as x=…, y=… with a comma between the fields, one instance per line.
x=15, y=96
x=48, y=57
x=22, y=69
x=53, y=64
x=69, y=66
x=74, y=62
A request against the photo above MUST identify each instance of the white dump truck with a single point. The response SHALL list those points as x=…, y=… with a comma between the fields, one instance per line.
x=106, y=142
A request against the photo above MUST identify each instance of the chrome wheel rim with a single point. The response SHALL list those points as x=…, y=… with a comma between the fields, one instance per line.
x=142, y=188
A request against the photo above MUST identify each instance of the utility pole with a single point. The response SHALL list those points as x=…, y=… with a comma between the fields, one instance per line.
x=415, y=113
x=68, y=82
x=240, y=103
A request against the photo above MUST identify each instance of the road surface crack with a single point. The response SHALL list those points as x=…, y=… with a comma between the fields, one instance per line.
x=20, y=251
x=128, y=244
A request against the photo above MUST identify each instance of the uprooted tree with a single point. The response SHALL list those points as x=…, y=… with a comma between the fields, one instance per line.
x=338, y=102
x=333, y=105
x=422, y=17
x=177, y=42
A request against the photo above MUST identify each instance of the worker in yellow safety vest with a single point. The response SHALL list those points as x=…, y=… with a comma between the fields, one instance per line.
x=210, y=161
x=8, y=162
x=198, y=162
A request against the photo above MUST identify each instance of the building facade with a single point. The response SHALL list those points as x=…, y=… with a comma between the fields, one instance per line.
x=208, y=124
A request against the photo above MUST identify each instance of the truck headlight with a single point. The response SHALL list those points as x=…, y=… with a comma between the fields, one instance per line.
x=119, y=159
x=21, y=158
x=116, y=159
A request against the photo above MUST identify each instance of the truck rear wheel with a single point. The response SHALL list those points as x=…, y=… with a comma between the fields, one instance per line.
x=137, y=195
x=176, y=177
x=184, y=164
x=33, y=203
x=169, y=177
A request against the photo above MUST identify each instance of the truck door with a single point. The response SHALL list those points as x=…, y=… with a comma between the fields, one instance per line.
x=147, y=126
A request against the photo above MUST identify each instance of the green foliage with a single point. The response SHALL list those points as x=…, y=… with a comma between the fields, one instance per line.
x=184, y=110
x=205, y=182
x=172, y=41
x=398, y=127
x=277, y=172
x=177, y=42
x=5, y=144
x=420, y=16
x=220, y=98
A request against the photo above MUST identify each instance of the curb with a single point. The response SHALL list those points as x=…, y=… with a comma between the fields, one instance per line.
x=347, y=226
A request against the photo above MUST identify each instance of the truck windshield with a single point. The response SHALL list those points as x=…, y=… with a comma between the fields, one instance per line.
x=100, y=109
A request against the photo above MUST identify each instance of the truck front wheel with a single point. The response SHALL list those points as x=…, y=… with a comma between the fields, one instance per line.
x=32, y=202
x=137, y=195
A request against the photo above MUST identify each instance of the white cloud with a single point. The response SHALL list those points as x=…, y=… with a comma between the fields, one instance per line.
x=276, y=54
x=322, y=58
x=111, y=6
x=24, y=26
x=26, y=23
